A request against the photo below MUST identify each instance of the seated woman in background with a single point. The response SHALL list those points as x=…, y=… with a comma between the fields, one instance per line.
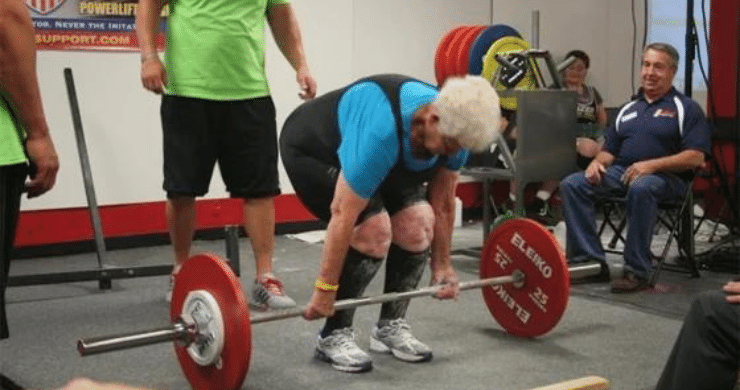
x=591, y=112
x=591, y=118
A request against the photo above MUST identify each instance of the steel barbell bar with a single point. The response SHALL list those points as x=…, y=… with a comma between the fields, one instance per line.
x=187, y=332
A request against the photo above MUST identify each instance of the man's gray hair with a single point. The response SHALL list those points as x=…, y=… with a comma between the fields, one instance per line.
x=469, y=112
x=667, y=49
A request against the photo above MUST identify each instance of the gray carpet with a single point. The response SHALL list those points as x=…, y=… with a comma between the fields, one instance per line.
x=625, y=338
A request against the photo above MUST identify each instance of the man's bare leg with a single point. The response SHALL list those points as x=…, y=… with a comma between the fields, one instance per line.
x=259, y=222
x=181, y=223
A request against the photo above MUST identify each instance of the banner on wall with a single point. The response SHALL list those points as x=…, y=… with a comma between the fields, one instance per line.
x=87, y=24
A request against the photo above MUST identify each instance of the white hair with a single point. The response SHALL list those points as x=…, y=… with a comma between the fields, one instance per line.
x=469, y=112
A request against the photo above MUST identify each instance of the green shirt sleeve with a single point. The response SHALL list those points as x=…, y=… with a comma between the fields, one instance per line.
x=11, y=144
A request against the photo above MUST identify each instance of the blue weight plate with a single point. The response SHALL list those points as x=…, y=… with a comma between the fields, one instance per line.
x=485, y=39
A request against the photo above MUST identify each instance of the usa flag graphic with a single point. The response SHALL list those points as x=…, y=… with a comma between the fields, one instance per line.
x=44, y=7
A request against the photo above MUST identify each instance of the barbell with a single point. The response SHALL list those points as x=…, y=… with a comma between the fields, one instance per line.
x=524, y=278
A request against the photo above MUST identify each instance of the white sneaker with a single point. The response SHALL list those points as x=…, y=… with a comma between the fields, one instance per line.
x=396, y=338
x=268, y=294
x=340, y=349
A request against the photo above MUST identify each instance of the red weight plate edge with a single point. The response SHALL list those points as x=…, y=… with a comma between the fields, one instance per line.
x=463, y=50
x=451, y=50
x=543, y=241
x=439, y=69
x=211, y=273
x=440, y=56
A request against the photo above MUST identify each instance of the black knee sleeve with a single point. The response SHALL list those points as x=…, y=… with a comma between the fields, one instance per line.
x=403, y=270
x=357, y=273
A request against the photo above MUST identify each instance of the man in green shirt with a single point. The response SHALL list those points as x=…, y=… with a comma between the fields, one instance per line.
x=24, y=134
x=217, y=107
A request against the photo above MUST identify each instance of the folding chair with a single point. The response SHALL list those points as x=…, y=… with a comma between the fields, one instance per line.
x=676, y=215
x=613, y=210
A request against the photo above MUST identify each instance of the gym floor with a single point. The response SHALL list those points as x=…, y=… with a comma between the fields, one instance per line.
x=624, y=338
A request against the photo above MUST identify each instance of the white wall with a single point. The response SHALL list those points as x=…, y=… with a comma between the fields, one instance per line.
x=121, y=124
x=344, y=40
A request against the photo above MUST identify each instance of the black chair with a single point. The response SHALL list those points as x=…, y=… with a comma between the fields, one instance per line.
x=677, y=216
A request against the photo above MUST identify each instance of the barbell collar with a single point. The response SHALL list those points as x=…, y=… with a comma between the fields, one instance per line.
x=178, y=331
x=505, y=62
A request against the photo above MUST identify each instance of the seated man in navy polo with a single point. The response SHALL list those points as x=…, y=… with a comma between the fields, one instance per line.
x=655, y=140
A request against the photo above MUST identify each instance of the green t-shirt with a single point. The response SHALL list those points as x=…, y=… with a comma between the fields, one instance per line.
x=11, y=147
x=216, y=48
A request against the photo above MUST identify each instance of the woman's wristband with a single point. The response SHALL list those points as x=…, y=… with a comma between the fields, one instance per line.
x=326, y=287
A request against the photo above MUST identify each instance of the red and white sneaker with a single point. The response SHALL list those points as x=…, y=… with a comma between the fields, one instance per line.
x=267, y=293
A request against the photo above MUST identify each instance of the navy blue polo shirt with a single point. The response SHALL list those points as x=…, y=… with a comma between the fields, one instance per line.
x=669, y=125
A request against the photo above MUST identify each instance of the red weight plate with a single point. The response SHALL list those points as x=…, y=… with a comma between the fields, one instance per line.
x=534, y=308
x=451, y=55
x=440, y=57
x=463, y=49
x=209, y=272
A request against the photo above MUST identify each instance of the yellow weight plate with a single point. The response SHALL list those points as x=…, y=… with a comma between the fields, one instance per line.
x=504, y=46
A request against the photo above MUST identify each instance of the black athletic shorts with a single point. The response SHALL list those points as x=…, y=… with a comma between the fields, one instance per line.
x=12, y=178
x=314, y=179
x=241, y=135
